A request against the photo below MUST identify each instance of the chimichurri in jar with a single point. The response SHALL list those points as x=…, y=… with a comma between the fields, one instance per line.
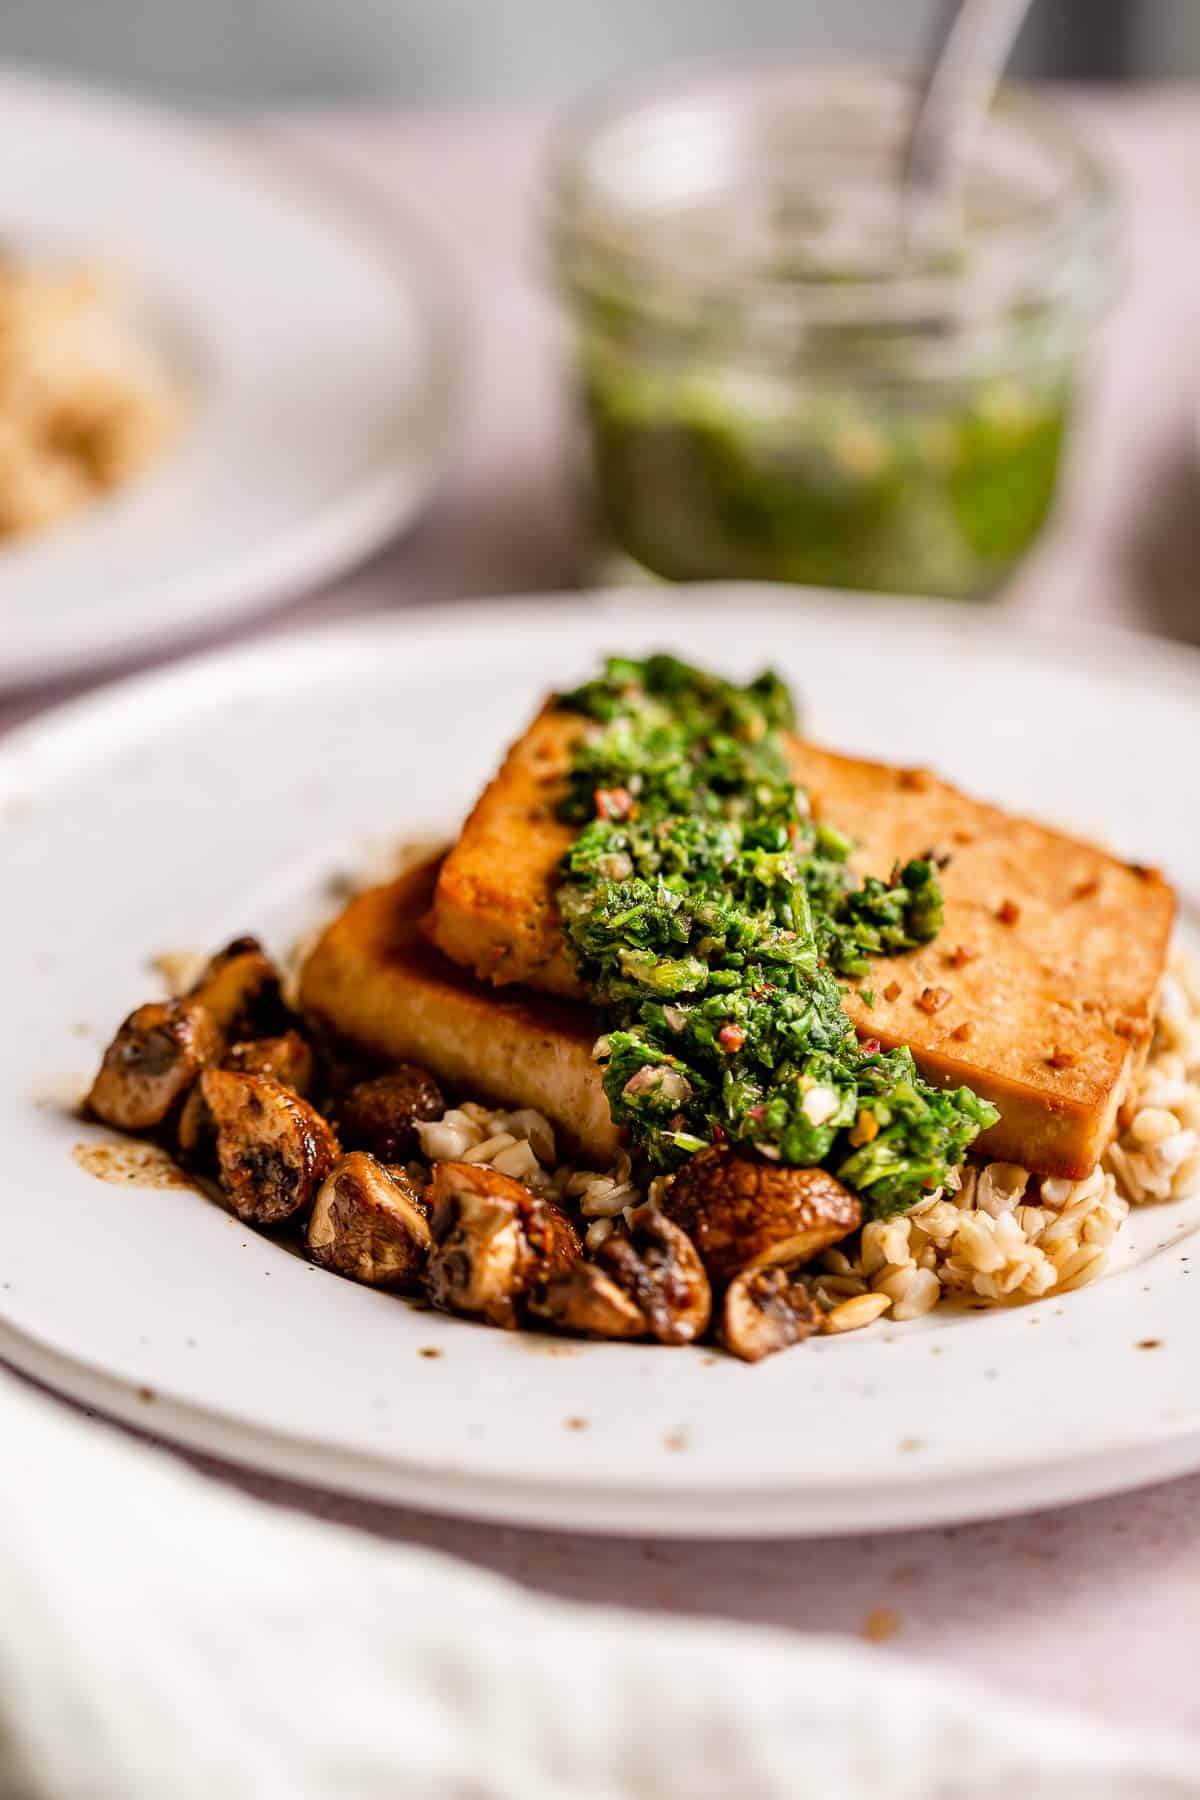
x=772, y=385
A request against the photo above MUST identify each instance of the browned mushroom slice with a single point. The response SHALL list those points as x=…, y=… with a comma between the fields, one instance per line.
x=766, y=1310
x=287, y=1058
x=151, y=1063
x=743, y=1212
x=381, y=1115
x=240, y=987
x=273, y=1149
x=646, y=1281
x=658, y=1266
x=365, y=1224
x=196, y=1132
x=587, y=1300
x=495, y=1243
x=409, y=1175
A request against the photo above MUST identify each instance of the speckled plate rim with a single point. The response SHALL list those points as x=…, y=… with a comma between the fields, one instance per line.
x=1134, y=1451
x=912, y=1501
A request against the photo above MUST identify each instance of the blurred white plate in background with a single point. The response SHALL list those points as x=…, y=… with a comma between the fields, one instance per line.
x=316, y=351
x=179, y=809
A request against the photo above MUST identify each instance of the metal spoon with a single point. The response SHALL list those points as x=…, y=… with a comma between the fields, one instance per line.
x=973, y=43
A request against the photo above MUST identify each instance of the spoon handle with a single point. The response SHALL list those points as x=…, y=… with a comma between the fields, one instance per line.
x=973, y=43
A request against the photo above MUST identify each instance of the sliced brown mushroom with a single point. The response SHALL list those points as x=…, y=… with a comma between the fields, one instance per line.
x=409, y=1176
x=743, y=1212
x=196, y=1132
x=765, y=1310
x=646, y=1281
x=241, y=988
x=658, y=1265
x=588, y=1301
x=495, y=1243
x=366, y=1224
x=151, y=1063
x=381, y=1115
x=273, y=1149
x=287, y=1058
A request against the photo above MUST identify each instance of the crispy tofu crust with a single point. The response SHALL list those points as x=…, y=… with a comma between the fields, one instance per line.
x=493, y=908
x=374, y=980
x=1039, y=992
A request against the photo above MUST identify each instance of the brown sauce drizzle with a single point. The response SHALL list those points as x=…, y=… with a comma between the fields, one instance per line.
x=130, y=1164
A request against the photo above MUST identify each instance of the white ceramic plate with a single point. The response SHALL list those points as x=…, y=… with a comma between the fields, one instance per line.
x=179, y=809
x=315, y=350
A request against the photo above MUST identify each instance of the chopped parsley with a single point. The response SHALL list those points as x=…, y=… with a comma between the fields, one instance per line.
x=710, y=916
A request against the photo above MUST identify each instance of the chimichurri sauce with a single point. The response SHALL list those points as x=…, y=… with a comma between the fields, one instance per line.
x=710, y=917
x=884, y=489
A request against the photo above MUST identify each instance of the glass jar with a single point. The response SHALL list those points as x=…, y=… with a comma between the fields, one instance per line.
x=772, y=386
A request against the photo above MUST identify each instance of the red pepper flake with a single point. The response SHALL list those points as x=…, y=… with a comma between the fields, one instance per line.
x=1060, y=1058
x=1008, y=912
x=932, y=999
x=914, y=781
x=757, y=1113
x=892, y=991
x=718, y=1132
x=961, y=955
x=962, y=1032
x=613, y=803
x=871, y=1046
x=731, y=1038
x=1083, y=890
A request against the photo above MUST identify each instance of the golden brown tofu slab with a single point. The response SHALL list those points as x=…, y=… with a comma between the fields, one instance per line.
x=375, y=981
x=1039, y=993
x=493, y=908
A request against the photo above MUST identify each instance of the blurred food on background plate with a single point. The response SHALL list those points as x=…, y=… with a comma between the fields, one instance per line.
x=87, y=402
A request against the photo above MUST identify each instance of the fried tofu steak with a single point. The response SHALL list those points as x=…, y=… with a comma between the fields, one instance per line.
x=1039, y=992
x=374, y=981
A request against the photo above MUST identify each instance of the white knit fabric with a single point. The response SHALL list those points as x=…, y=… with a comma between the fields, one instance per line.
x=162, y=1638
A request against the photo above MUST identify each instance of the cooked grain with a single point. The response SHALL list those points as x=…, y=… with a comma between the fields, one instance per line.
x=852, y=1315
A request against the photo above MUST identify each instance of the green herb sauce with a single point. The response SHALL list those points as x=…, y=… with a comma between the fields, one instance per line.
x=710, y=917
x=893, y=487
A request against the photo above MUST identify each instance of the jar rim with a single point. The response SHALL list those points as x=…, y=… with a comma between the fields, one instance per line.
x=1059, y=243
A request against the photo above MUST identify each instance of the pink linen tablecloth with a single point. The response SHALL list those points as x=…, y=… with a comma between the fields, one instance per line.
x=1097, y=1605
